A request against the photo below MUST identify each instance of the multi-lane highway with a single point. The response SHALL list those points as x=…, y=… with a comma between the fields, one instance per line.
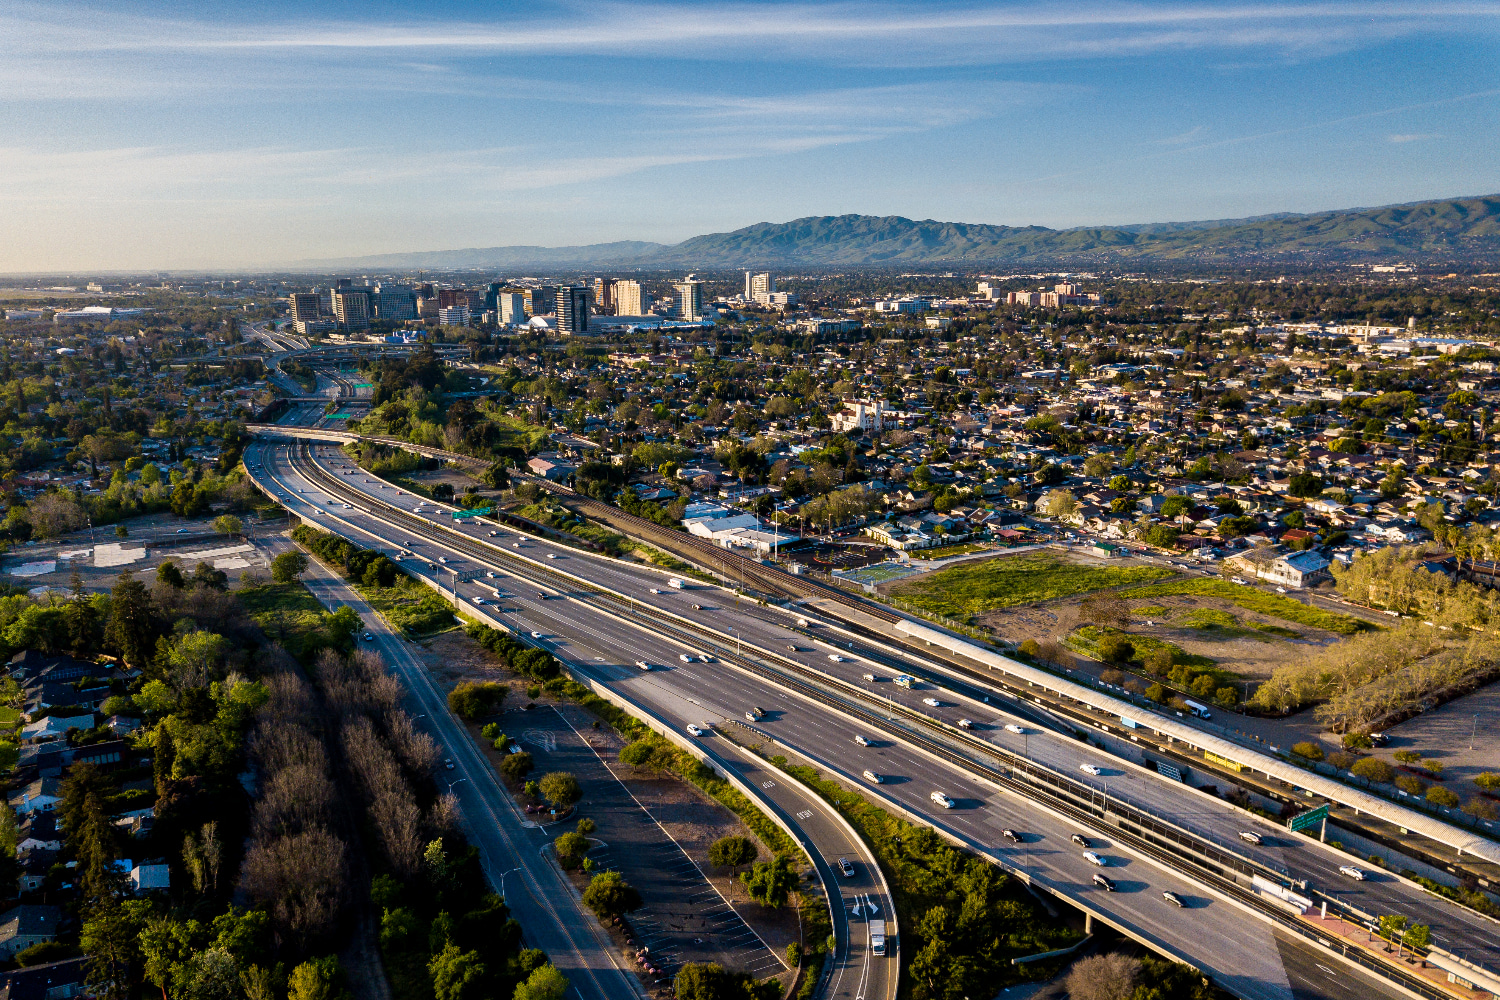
x=1240, y=951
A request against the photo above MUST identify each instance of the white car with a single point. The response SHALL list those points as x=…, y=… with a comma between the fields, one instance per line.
x=931, y=701
x=1090, y=768
x=1013, y=728
x=861, y=740
x=685, y=658
x=442, y=559
x=491, y=574
x=836, y=658
x=551, y=555
x=873, y=777
x=965, y=723
x=1094, y=859
x=845, y=868
x=655, y=590
x=478, y=600
x=694, y=730
x=1173, y=898
x=1352, y=872
x=494, y=534
x=941, y=800
x=643, y=664
x=1249, y=837
x=536, y=635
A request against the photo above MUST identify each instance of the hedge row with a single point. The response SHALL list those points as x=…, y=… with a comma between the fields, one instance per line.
x=366, y=566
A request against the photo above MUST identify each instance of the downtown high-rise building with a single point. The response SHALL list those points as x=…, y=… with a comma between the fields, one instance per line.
x=690, y=299
x=511, y=305
x=573, y=309
x=762, y=284
x=631, y=299
x=394, y=303
x=604, y=297
x=352, y=307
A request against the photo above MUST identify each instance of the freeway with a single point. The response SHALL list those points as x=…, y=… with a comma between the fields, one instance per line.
x=961, y=697
x=1241, y=953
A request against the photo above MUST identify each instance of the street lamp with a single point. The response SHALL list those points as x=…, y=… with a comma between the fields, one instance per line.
x=502, y=880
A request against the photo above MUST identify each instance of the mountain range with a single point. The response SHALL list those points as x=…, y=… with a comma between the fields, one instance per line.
x=1445, y=232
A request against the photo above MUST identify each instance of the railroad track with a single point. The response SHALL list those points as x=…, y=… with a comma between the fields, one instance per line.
x=1201, y=862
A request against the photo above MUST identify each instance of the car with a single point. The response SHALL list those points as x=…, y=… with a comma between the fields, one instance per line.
x=448, y=763
x=1104, y=882
x=478, y=600
x=965, y=723
x=369, y=637
x=182, y=531
x=491, y=574
x=656, y=590
x=685, y=658
x=551, y=555
x=515, y=545
x=1081, y=840
x=836, y=658
x=871, y=776
x=941, y=800
x=790, y=648
x=1090, y=768
x=1011, y=835
x=697, y=607
x=1353, y=872
x=1249, y=837
x=536, y=635
x=497, y=592
x=541, y=596
x=442, y=559
x=870, y=678
x=1011, y=727
x=861, y=739
x=845, y=868
x=643, y=664
x=694, y=730
x=494, y=534
x=931, y=701
x=1173, y=898
x=1094, y=859
x=752, y=716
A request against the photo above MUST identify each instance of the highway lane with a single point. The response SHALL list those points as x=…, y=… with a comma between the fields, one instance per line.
x=1380, y=893
x=857, y=973
x=1240, y=952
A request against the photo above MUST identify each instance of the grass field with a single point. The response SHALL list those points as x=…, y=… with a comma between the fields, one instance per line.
x=1086, y=640
x=412, y=607
x=290, y=616
x=973, y=588
x=949, y=551
x=1259, y=601
x=9, y=716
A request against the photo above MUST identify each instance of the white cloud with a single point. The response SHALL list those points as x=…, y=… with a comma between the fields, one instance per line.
x=1412, y=137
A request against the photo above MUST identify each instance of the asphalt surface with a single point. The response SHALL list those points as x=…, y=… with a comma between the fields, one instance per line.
x=1236, y=949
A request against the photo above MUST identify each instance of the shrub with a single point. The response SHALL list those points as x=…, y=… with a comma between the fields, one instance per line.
x=1373, y=769
x=1135, y=687
x=1227, y=696
x=1029, y=648
x=1432, y=766
x=1488, y=780
x=1411, y=784
x=586, y=826
x=570, y=848
x=1407, y=756
x=1357, y=741
x=1112, y=677
x=609, y=895
x=1157, y=693
x=1159, y=662
x=490, y=730
x=1342, y=761
x=501, y=742
x=561, y=789
x=516, y=766
x=1440, y=796
x=1308, y=750
x=471, y=700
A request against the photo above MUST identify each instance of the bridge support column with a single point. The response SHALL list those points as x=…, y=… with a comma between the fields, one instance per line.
x=1088, y=923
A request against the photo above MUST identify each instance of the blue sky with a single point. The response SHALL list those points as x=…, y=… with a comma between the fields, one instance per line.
x=220, y=135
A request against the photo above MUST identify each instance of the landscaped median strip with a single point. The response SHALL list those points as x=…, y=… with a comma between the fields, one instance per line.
x=1369, y=946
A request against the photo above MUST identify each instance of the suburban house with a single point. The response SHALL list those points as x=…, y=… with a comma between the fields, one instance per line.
x=1298, y=569
x=25, y=925
x=43, y=794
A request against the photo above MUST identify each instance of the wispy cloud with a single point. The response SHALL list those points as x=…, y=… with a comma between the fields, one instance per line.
x=1403, y=138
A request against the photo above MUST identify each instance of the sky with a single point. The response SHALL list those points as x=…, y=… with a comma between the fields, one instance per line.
x=205, y=135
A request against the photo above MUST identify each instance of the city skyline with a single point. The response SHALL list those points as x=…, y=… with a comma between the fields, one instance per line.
x=160, y=138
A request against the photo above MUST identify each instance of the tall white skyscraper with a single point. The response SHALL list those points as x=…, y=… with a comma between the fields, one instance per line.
x=631, y=299
x=690, y=299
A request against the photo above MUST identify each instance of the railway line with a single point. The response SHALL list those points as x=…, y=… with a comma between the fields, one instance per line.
x=1171, y=848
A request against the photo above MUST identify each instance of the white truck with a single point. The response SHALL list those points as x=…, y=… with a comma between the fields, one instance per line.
x=877, y=937
x=676, y=583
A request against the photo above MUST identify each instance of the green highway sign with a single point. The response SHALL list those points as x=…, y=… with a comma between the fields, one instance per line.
x=1311, y=818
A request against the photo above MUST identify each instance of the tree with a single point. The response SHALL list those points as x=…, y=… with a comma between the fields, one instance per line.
x=1058, y=503
x=209, y=578
x=54, y=514
x=471, y=700
x=700, y=981
x=109, y=939
x=1175, y=507
x=516, y=766
x=168, y=573
x=609, y=895
x=132, y=627
x=545, y=983
x=288, y=566
x=228, y=524
x=456, y=974
x=771, y=882
x=570, y=847
x=1373, y=769
x=1488, y=780
x=1419, y=938
x=1115, y=648
x=317, y=979
x=733, y=853
x=1440, y=796
x=1103, y=977
x=561, y=789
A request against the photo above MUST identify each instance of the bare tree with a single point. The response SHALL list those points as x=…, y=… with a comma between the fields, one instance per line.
x=1103, y=977
x=302, y=880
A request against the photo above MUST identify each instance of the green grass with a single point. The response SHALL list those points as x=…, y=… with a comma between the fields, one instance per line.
x=1150, y=611
x=292, y=617
x=1285, y=633
x=10, y=755
x=949, y=551
x=1086, y=640
x=1211, y=619
x=9, y=716
x=973, y=588
x=1259, y=601
x=412, y=607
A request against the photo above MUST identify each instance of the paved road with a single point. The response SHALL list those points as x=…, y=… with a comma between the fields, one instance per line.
x=536, y=892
